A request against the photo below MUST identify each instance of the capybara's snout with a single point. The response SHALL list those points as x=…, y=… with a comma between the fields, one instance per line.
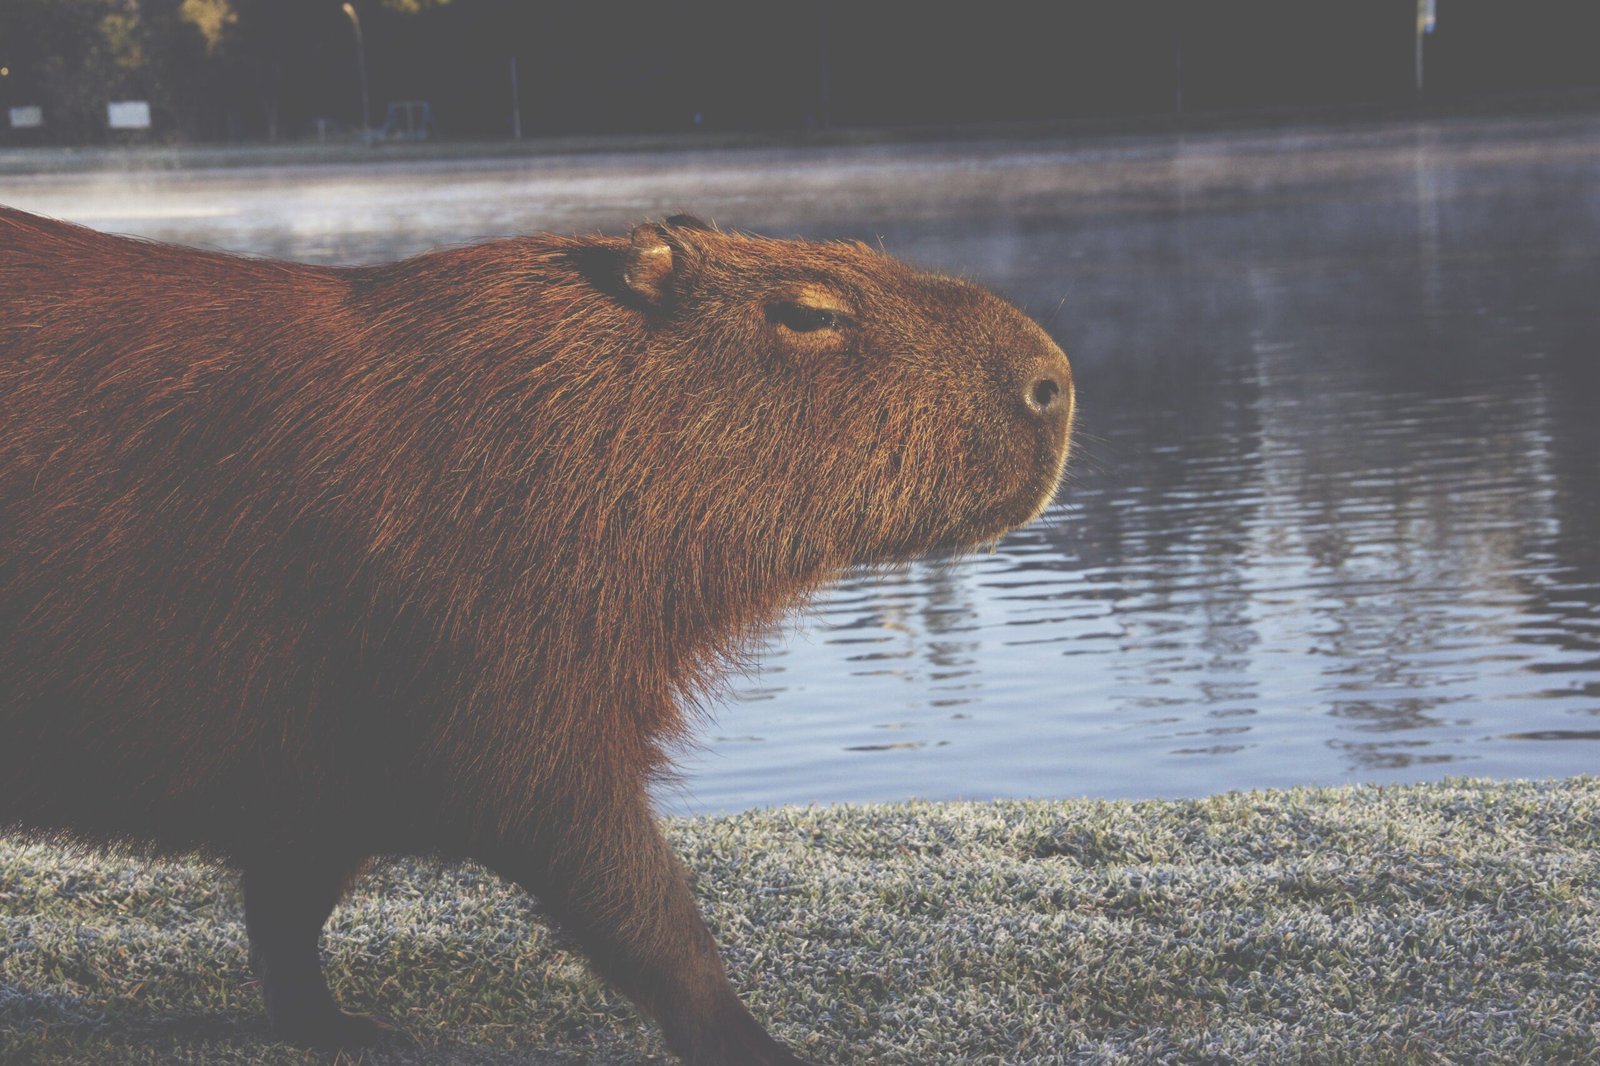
x=1035, y=387
x=1046, y=391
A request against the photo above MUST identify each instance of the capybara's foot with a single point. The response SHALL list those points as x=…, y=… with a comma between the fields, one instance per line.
x=771, y=1055
x=775, y=1055
x=739, y=1040
x=336, y=1031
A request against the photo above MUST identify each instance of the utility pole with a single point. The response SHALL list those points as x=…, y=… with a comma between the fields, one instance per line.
x=1427, y=14
x=824, y=80
x=1177, y=60
x=516, y=103
x=361, y=68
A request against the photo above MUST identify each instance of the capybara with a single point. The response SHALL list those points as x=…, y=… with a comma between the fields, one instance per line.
x=301, y=565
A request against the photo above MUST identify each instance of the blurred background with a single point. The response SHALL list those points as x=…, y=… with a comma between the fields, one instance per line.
x=1327, y=272
x=229, y=70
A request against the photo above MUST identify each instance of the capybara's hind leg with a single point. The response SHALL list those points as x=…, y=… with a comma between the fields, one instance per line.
x=287, y=898
x=611, y=881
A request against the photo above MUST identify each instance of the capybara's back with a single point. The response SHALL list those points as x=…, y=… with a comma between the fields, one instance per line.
x=301, y=565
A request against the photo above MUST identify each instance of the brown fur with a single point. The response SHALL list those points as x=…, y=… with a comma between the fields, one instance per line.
x=300, y=565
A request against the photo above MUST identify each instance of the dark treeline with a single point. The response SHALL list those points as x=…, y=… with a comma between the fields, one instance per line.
x=262, y=69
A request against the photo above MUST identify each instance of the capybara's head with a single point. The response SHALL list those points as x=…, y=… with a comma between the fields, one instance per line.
x=849, y=406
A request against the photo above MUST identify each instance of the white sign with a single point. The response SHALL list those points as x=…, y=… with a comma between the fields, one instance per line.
x=129, y=114
x=1427, y=15
x=27, y=118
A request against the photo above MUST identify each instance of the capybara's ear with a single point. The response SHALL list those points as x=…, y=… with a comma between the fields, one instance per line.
x=688, y=222
x=650, y=263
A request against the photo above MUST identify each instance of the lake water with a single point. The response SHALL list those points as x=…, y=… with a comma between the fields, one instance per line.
x=1334, y=514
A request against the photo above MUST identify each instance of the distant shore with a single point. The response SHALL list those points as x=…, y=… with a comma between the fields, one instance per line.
x=48, y=159
x=1453, y=922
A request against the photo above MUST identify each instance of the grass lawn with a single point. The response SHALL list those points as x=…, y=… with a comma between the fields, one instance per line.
x=1444, y=923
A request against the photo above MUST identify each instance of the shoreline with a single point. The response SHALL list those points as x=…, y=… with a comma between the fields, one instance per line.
x=19, y=161
x=1457, y=921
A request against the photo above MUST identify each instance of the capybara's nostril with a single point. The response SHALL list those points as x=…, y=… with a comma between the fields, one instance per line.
x=1042, y=395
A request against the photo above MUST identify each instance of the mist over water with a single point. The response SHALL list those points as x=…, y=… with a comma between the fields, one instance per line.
x=1334, y=511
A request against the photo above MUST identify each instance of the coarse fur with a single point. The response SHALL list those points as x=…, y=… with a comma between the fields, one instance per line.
x=301, y=565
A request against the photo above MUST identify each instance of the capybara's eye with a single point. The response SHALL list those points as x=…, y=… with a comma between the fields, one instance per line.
x=803, y=318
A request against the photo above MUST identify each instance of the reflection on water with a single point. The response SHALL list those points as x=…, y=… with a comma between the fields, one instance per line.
x=1335, y=512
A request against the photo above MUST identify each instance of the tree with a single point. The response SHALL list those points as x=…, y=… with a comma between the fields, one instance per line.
x=209, y=68
x=282, y=55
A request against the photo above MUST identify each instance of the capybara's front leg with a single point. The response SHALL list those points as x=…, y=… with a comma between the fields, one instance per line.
x=608, y=877
x=287, y=898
